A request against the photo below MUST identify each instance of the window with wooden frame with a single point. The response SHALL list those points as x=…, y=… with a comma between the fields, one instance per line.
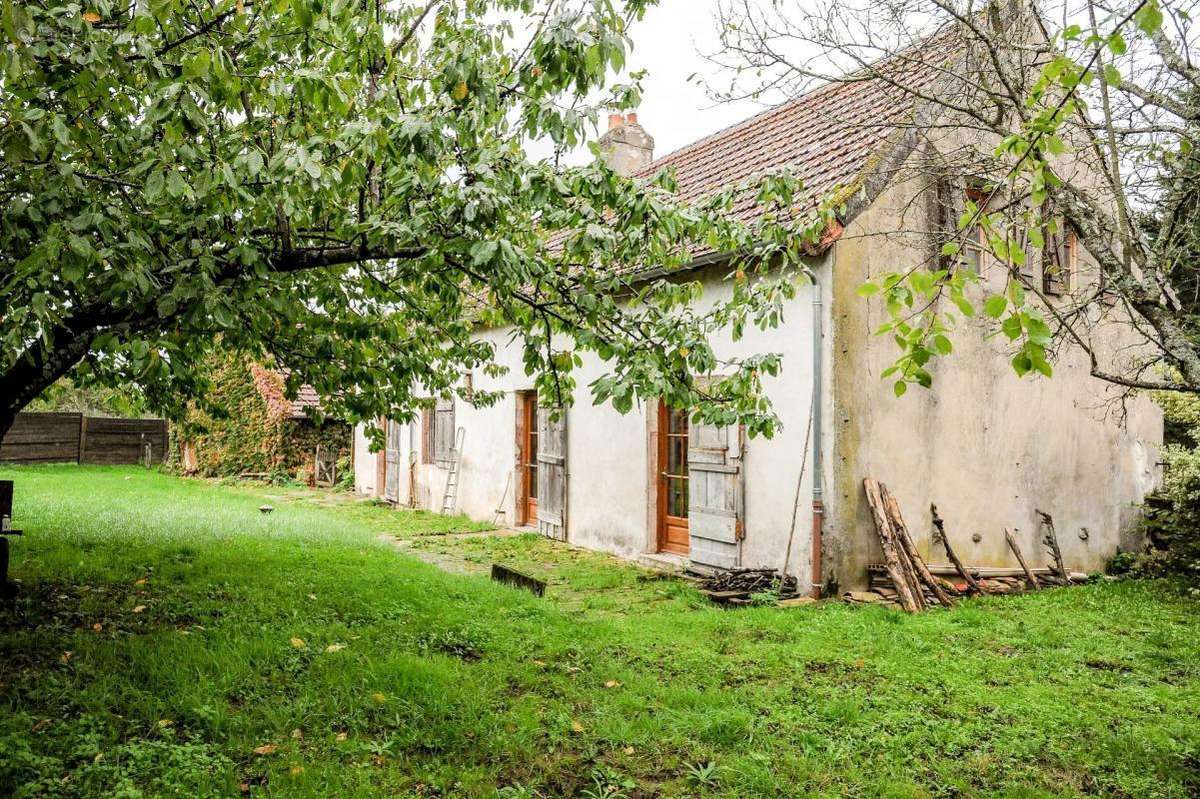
x=437, y=433
x=1059, y=259
x=975, y=246
x=950, y=202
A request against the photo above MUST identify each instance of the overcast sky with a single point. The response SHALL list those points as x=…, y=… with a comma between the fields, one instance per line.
x=668, y=43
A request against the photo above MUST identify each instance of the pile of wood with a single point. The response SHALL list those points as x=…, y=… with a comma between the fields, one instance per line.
x=737, y=586
x=906, y=580
x=915, y=586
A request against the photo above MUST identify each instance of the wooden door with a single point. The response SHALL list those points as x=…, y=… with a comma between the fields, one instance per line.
x=552, y=472
x=714, y=495
x=673, y=532
x=391, y=480
x=527, y=464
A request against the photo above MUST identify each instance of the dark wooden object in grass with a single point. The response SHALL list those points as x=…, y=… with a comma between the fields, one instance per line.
x=503, y=574
x=939, y=534
x=1012, y=544
x=6, y=500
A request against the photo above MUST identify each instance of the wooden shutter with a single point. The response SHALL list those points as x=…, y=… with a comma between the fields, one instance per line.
x=443, y=426
x=427, y=435
x=391, y=475
x=714, y=494
x=552, y=473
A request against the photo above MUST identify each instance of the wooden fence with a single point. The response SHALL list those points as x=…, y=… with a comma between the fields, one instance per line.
x=75, y=438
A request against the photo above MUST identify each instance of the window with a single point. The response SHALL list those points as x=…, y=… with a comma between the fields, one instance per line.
x=1058, y=260
x=950, y=202
x=437, y=433
x=975, y=238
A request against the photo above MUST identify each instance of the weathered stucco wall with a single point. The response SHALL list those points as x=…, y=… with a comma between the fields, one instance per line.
x=609, y=495
x=988, y=447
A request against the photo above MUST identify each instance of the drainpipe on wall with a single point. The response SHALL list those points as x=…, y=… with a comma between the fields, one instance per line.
x=818, y=504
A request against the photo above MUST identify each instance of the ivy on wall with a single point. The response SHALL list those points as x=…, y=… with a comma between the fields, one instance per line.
x=245, y=426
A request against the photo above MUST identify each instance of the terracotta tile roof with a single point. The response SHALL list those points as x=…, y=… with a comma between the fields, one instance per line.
x=827, y=137
x=306, y=397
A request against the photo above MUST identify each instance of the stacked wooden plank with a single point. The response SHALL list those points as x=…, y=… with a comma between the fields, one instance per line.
x=738, y=586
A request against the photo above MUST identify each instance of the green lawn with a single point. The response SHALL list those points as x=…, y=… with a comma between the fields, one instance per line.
x=166, y=630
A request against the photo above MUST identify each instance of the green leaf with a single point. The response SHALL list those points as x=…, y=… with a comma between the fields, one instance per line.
x=1112, y=75
x=994, y=306
x=867, y=289
x=482, y=252
x=1149, y=17
x=196, y=66
x=899, y=387
x=1011, y=326
x=176, y=186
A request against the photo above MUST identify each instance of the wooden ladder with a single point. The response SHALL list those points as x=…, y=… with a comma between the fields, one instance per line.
x=450, y=498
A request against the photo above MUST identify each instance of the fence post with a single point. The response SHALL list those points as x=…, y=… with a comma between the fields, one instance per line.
x=82, y=437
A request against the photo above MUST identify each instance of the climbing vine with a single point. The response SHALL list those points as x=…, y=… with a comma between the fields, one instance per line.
x=243, y=425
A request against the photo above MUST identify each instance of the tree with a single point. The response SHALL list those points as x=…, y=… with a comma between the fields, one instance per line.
x=342, y=186
x=1060, y=120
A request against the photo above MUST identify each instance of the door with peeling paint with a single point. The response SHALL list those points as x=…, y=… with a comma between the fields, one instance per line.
x=714, y=495
x=552, y=472
x=391, y=478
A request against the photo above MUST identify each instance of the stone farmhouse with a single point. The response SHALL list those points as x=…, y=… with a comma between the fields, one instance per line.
x=988, y=448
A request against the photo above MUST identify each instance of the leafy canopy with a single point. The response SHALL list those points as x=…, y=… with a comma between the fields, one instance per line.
x=343, y=186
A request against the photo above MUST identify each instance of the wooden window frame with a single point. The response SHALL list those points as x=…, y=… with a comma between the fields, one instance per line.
x=975, y=246
x=1061, y=250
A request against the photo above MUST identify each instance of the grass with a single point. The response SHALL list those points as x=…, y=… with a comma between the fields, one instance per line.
x=167, y=630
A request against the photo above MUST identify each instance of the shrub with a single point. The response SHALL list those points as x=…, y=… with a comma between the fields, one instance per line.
x=1172, y=519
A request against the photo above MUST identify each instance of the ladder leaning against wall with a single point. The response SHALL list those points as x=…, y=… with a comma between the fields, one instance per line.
x=450, y=498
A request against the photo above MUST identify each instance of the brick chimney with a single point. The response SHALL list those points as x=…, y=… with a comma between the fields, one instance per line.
x=626, y=147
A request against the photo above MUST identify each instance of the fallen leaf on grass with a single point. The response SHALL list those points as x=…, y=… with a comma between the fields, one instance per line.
x=341, y=736
x=92, y=17
x=628, y=750
x=539, y=663
x=298, y=643
x=265, y=749
x=296, y=771
x=41, y=725
x=299, y=736
x=576, y=726
x=65, y=657
x=312, y=596
x=140, y=582
x=164, y=723
x=612, y=684
x=335, y=647
x=97, y=627
x=139, y=608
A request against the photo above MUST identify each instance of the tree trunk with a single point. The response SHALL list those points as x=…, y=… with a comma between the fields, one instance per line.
x=36, y=370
